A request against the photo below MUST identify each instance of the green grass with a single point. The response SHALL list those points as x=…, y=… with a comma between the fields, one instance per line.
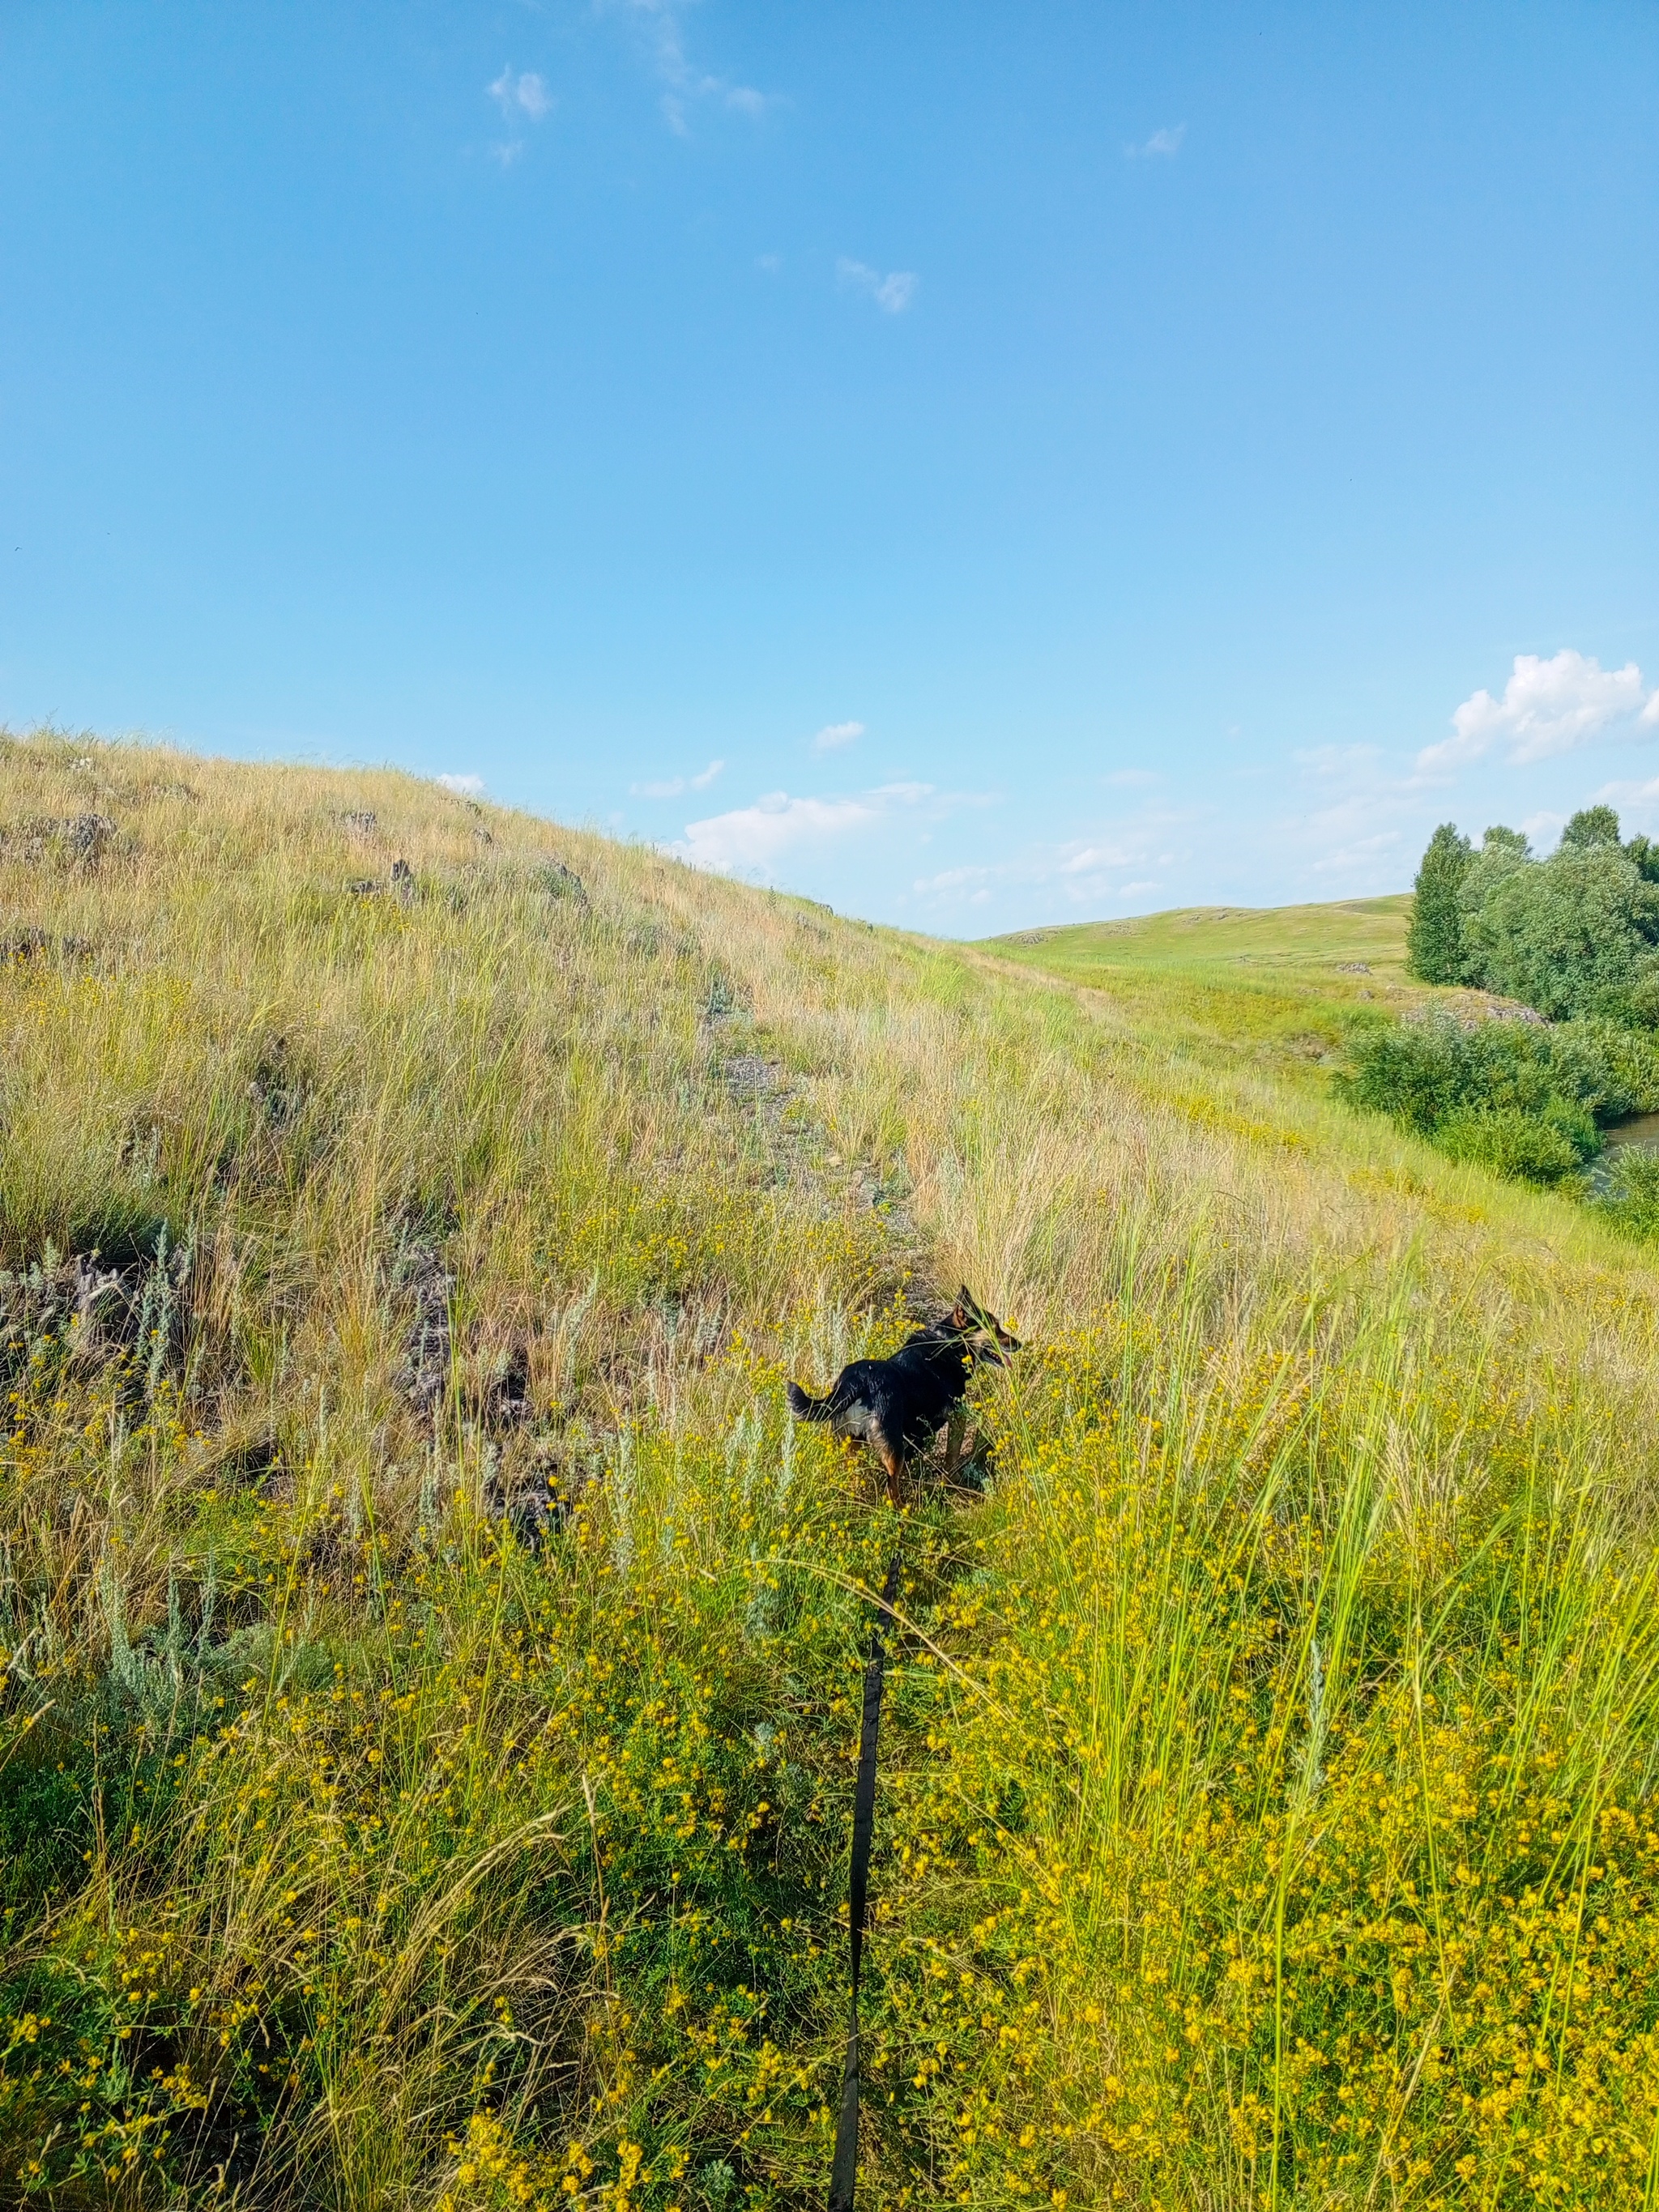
x=427, y=1744
x=1371, y=931
x=1278, y=982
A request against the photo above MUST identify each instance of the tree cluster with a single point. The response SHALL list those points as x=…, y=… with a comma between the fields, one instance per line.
x=1574, y=935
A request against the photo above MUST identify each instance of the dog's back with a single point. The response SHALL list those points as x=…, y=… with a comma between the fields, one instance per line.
x=899, y=1404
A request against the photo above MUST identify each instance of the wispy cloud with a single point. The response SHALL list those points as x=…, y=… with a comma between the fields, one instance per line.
x=521, y=95
x=676, y=785
x=1164, y=144
x=467, y=786
x=527, y=94
x=662, y=26
x=755, y=840
x=1363, y=853
x=1338, y=760
x=1548, y=706
x=892, y=293
x=1078, y=871
x=834, y=735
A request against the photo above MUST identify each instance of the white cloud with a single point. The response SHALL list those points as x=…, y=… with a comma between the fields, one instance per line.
x=466, y=787
x=664, y=37
x=1093, y=857
x=1548, y=706
x=835, y=734
x=1077, y=871
x=768, y=264
x=1131, y=779
x=1361, y=853
x=1335, y=760
x=754, y=840
x=1165, y=143
x=892, y=293
x=518, y=96
x=526, y=93
x=957, y=879
x=677, y=784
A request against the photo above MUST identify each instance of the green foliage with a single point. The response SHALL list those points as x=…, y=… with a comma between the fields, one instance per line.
x=1434, y=943
x=1629, y=1200
x=1524, y=1100
x=1528, y=1147
x=1592, y=825
x=1573, y=935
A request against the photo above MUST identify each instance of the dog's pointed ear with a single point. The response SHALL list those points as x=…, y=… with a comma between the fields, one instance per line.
x=966, y=1301
x=959, y=1313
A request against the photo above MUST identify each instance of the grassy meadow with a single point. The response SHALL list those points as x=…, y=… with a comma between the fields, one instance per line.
x=427, y=1733
x=1279, y=983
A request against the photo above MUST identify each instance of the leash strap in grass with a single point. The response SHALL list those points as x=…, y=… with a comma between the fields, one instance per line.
x=844, y=2173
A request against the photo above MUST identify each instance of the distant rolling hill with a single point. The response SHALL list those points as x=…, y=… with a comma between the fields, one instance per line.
x=1334, y=937
x=1276, y=985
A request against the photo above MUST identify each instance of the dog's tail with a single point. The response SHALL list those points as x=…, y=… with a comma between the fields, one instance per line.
x=810, y=1409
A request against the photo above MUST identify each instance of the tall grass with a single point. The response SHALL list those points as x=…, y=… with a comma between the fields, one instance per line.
x=425, y=1755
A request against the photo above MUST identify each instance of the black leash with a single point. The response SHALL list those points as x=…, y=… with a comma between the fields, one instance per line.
x=844, y=2173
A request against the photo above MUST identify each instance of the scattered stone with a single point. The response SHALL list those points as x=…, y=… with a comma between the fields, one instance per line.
x=420, y=1275
x=1353, y=967
x=359, y=820
x=1030, y=936
x=41, y=944
x=403, y=880
x=746, y=1075
x=560, y=882
x=365, y=887
x=98, y=1313
x=80, y=838
x=277, y=1086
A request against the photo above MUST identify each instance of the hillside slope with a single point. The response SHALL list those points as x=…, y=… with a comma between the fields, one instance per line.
x=426, y=1752
x=1333, y=937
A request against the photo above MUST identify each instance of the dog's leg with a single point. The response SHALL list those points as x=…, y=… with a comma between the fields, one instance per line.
x=894, y=1463
x=953, y=1433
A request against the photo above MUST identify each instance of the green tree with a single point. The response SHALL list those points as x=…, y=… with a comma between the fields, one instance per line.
x=1434, y=943
x=1572, y=935
x=1592, y=825
x=1504, y=853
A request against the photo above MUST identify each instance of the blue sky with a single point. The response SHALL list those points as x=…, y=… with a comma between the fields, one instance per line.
x=979, y=465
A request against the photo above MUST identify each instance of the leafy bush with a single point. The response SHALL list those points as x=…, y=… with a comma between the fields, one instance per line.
x=1522, y=1099
x=1631, y=1201
x=1527, y=1148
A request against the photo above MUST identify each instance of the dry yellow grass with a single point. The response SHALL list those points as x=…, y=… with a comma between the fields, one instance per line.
x=1266, y=1816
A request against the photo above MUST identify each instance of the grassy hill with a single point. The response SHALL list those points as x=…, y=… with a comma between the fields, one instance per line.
x=427, y=1742
x=1337, y=938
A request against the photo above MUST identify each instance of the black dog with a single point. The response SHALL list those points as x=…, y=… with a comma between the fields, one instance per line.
x=900, y=1405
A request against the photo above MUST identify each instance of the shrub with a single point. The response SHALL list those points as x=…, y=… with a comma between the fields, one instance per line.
x=1527, y=1148
x=1518, y=1098
x=1631, y=1201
